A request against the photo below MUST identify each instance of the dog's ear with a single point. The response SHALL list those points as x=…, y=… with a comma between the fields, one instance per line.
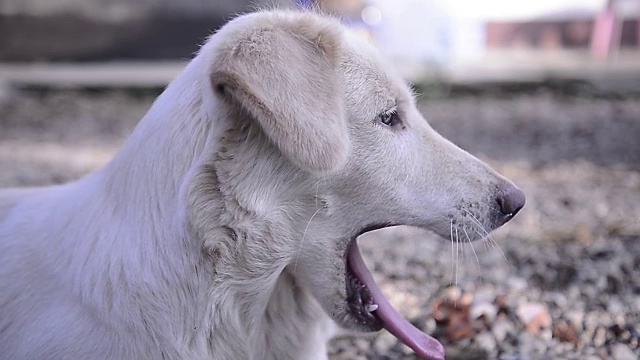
x=285, y=75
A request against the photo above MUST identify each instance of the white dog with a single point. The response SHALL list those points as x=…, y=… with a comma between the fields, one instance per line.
x=225, y=228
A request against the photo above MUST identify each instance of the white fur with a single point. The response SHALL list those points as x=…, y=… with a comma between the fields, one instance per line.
x=219, y=230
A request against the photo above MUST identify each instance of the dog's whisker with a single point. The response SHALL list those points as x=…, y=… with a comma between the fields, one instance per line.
x=304, y=234
x=477, y=222
x=491, y=242
x=452, y=253
x=462, y=249
x=473, y=218
x=471, y=243
x=485, y=234
x=499, y=249
x=483, y=239
x=457, y=255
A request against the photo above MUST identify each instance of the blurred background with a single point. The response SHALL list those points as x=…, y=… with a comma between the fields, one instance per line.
x=455, y=41
x=547, y=92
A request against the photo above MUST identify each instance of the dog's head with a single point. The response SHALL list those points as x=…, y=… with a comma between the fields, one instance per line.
x=329, y=144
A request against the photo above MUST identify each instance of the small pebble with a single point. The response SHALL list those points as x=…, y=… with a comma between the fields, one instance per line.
x=486, y=341
x=384, y=342
x=535, y=316
x=501, y=328
x=622, y=352
x=565, y=331
x=486, y=309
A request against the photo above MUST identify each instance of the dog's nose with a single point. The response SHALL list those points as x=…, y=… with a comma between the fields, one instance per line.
x=510, y=199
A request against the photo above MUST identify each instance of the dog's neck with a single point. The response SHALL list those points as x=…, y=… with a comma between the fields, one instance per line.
x=246, y=229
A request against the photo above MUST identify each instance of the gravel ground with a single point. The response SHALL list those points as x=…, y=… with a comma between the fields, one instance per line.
x=561, y=281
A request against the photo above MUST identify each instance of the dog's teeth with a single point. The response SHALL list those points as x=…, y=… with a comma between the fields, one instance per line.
x=372, y=307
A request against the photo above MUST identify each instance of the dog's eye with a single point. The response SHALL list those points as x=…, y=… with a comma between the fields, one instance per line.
x=389, y=117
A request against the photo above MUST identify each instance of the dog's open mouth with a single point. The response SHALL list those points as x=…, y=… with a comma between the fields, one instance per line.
x=373, y=311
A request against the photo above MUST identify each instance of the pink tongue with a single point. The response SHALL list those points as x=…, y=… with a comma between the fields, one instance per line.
x=423, y=344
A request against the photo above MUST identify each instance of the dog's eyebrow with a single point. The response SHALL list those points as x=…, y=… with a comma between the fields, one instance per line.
x=389, y=102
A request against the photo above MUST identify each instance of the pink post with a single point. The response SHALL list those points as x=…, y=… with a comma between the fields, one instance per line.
x=603, y=32
x=638, y=25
